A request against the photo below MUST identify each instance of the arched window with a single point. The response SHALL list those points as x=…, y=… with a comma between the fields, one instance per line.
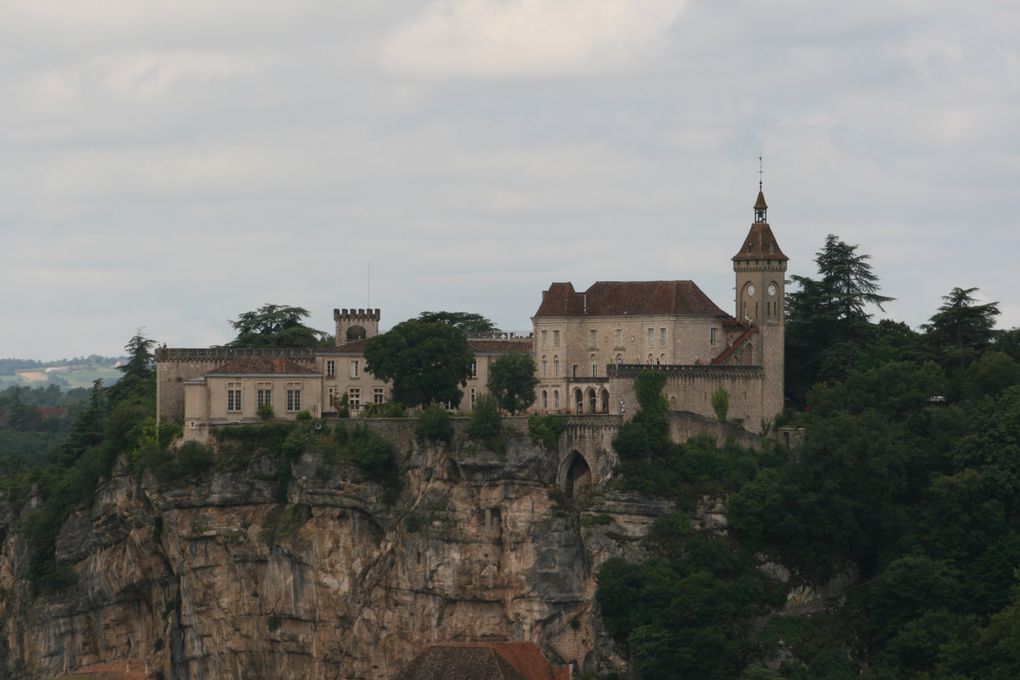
x=556, y=399
x=556, y=365
x=544, y=365
x=594, y=366
x=545, y=399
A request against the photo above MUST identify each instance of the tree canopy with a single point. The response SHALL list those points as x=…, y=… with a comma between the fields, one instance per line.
x=427, y=362
x=960, y=329
x=276, y=326
x=512, y=381
x=468, y=322
x=828, y=314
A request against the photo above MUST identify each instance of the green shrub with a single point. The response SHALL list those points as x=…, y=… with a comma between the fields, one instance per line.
x=546, y=430
x=486, y=422
x=169, y=433
x=648, y=390
x=721, y=403
x=265, y=412
x=374, y=456
x=434, y=425
x=389, y=409
x=303, y=416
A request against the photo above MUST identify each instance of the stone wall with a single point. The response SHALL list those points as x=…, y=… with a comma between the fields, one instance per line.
x=690, y=388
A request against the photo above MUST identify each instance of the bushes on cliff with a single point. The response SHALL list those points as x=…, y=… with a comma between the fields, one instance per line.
x=434, y=425
x=375, y=456
x=647, y=433
x=546, y=429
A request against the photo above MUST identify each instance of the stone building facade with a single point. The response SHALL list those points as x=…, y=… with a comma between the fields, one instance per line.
x=589, y=345
x=206, y=387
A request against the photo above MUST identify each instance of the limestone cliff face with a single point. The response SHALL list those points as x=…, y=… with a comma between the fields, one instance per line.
x=217, y=580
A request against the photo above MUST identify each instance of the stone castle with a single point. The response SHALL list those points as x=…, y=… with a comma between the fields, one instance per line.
x=588, y=346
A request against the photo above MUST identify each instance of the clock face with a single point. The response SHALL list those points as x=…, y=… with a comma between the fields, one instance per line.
x=772, y=289
x=750, y=290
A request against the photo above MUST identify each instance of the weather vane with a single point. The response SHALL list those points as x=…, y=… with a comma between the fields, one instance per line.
x=761, y=170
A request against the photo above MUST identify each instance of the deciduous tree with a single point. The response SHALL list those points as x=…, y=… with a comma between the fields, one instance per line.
x=512, y=381
x=427, y=362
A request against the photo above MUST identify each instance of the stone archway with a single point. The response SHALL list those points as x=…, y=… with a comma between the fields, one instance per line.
x=591, y=401
x=579, y=400
x=575, y=475
x=356, y=333
x=604, y=401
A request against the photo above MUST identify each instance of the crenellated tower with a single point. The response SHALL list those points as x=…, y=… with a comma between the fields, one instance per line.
x=760, y=269
x=355, y=324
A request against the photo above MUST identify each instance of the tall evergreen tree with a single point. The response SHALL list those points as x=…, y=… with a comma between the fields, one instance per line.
x=827, y=315
x=275, y=326
x=961, y=329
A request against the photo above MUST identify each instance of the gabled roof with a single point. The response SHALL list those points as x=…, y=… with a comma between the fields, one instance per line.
x=481, y=661
x=628, y=298
x=262, y=366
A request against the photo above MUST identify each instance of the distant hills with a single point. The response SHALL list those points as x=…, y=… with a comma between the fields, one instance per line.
x=67, y=373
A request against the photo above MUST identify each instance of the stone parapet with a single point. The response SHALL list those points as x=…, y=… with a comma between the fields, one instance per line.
x=164, y=354
x=693, y=370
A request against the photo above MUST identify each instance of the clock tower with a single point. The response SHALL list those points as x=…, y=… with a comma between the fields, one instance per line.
x=760, y=269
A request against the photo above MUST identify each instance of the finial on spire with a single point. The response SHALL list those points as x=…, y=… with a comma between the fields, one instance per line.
x=760, y=207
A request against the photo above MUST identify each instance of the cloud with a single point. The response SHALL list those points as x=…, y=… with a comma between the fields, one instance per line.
x=507, y=38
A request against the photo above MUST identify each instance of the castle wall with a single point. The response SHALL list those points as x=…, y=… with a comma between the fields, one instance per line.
x=690, y=388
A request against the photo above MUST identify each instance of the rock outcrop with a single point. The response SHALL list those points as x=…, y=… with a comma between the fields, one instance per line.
x=217, y=580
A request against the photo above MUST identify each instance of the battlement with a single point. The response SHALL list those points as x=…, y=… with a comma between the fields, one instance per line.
x=359, y=314
x=224, y=354
x=693, y=370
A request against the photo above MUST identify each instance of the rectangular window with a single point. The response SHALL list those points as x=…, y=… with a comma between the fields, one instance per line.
x=474, y=369
x=233, y=397
x=662, y=337
x=330, y=368
x=354, y=399
x=651, y=336
x=573, y=373
x=355, y=365
x=264, y=394
x=378, y=396
x=474, y=396
x=594, y=339
x=712, y=336
x=619, y=337
x=293, y=397
x=545, y=338
x=331, y=396
x=556, y=338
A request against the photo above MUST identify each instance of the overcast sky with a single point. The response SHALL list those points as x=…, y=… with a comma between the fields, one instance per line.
x=168, y=165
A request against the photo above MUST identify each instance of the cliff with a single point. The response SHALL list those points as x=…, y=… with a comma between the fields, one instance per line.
x=216, y=579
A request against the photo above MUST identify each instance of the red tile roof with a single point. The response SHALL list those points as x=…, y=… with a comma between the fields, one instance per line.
x=483, y=345
x=620, y=298
x=262, y=366
x=496, y=346
x=734, y=346
x=481, y=661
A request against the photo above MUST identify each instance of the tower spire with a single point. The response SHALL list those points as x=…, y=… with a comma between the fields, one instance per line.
x=760, y=207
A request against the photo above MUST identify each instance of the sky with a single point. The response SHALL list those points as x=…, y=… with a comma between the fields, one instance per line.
x=167, y=166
